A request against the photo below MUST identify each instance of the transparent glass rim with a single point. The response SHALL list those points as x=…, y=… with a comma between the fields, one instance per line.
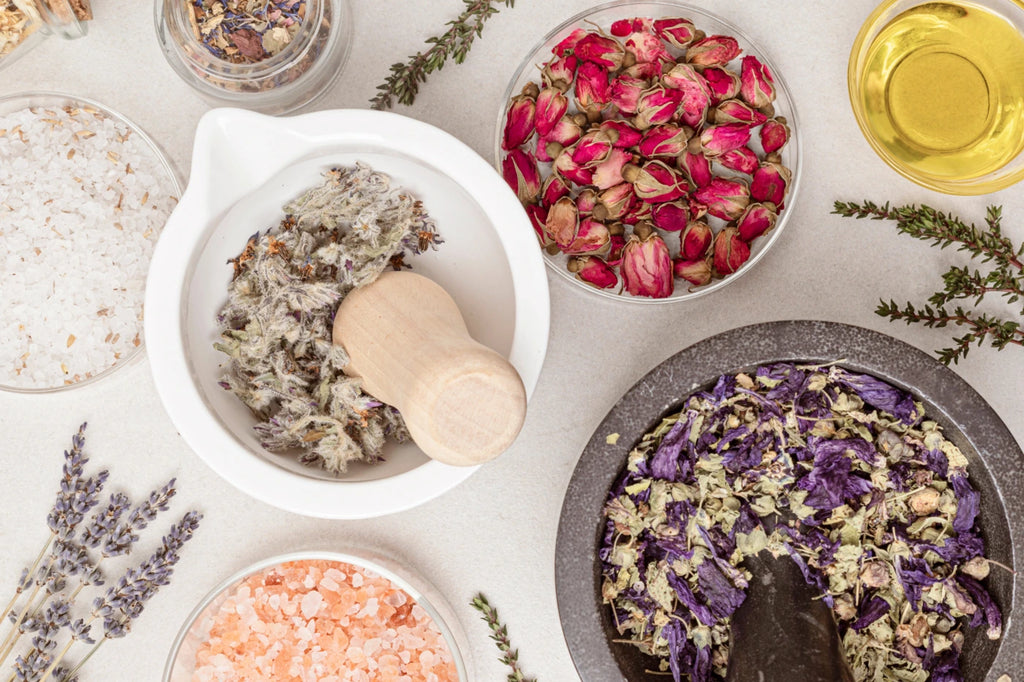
x=42, y=98
x=782, y=91
x=1011, y=173
x=64, y=22
x=413, y=585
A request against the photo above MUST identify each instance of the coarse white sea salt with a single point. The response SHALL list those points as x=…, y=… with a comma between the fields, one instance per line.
x=83, y=198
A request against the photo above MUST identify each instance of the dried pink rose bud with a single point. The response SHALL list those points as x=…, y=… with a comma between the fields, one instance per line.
x=695, y=240
x=774, y=134
x=657, y=105
x=600, y=50
x=560, y=72
x=676, y=32
x=593, y=87
x=640, y=212
x=716, y=140
x=697, y=209
x=626, y=92
x=714, y=50
x=646, y=265
x=624, y=27
x=655, y=181
x=742, y=160
x=592, y=238
x=770, y=183
x=757, y=86
x=646, y=47
x=724, y=84
x=586, y=200
x=562, y=222
x=570, y=170
x=609, y=172
x=615, y=252
x=756, y=220
x=645, y=71
x=696, y=167
x=671, y=216
x=593, y=148
x=625, y=135
x=730, y=251
x=667, y=141
x=725, y=199
x=696, y=95
x=554, y=189
x=697, y=272
x=615, y=202
x=593, y=271
x=567, y=45
x=538, y=218
x=729, y=111
x=519, y=122
x=521, y=174
x=551, y=107
x=565, y=132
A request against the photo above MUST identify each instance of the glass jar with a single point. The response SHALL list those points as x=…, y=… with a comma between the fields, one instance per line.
x=271, y=57
x=26, y=23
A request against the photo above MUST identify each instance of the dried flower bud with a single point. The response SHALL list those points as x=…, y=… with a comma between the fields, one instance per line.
x=677, y=32
x=844, y=607
x=874, y=574
x=657, y=105
x=741, y=160
x=615, y=202
x=671, y=216
x=714, y=50
x=924, y=502
x=567, y=45
x=623, y=134
x=618, y=242
x=696, y=272
x=756, y=220
x=732, y=111
x=655, y=182
x=695, y=240
x=977, y=568
x=696, y=167
x=645, y=71
x=774, y=135
x=666, y=141
x=646, y=265
x=592, y=238
x=730, y=251
x=521, y=174
x=565, y=132
x=915, y=632
x=647, y=47
x=562, y=222
x=592, y=149
x=623, y=27
x=757, y=86
x=601, y=50
x=586, y=200
x=551, y=106
x=609, y=172
x=593, y=271
x=725, y=199
x=554, y=188
x=570, y=170
x=640, y=212
x=538, y=218
x=722, y=83
x=626, y=92
x=560, y=72
x=770, y=183
x=716, y=140
x=696, y=95
x=519, y=122
x=593, y=86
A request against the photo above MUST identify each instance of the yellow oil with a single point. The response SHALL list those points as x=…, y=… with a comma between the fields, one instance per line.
x=943, y=90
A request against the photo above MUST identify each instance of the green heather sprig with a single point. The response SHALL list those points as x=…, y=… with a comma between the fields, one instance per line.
x=499, y=633
x=44, y=601
x=404, y=81
x=1004, y=276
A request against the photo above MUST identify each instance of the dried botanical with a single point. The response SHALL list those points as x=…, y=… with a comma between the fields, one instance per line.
x=499, y=633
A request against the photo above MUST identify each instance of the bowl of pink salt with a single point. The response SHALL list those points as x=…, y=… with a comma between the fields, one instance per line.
x=322, y=616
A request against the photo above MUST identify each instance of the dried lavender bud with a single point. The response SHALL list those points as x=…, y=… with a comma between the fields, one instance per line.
x=104, y=522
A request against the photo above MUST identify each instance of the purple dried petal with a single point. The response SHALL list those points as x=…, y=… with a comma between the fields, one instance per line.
x=968, y=502
x=870, y=611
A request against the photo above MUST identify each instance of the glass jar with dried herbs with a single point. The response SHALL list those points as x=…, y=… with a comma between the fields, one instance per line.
x=26, y=23
x=272, y=56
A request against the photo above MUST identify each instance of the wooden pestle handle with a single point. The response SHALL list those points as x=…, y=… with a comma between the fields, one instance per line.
x=463, y=403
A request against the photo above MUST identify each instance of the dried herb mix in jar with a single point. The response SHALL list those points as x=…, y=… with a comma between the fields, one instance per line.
x=245, y=31
x=24, y=22
x=276, y=327
x=872, y=502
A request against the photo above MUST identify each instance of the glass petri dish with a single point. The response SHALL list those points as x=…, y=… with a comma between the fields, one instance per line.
x=602, y=17
x=277, y=84
x=195, y=632
x=74, y=277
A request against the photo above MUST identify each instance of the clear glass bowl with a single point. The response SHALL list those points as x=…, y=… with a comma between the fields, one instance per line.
x=1010, y=173
x=281, y=83
x=17, y=102
x=195, y=631
x=602, y=17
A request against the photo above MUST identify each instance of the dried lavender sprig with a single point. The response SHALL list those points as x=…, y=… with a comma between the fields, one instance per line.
x=404, y=81
x=120, y=540
x=35, y=664
x=499, y=633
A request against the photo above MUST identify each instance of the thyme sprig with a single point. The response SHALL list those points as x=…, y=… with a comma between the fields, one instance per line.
x=1005, y=276
x=499, y=633
x=404, y=81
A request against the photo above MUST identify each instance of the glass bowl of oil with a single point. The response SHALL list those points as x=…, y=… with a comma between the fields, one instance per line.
x=938, y=91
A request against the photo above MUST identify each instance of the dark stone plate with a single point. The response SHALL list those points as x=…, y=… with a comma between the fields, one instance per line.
x=996, y=469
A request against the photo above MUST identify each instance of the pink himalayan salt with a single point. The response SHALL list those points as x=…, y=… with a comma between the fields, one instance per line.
x=322, y=621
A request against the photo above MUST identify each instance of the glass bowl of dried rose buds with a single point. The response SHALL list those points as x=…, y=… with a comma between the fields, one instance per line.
x=329, y=615
x=654, y=147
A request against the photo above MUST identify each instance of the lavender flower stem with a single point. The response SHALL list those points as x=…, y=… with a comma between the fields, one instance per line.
x=78, y=666
x=14, y=635
x=31, y=571
x=56, y=661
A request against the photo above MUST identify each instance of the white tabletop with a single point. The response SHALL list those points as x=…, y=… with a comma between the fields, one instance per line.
x=496, y=532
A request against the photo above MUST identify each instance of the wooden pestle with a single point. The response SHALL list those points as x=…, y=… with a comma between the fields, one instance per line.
x=463, y=403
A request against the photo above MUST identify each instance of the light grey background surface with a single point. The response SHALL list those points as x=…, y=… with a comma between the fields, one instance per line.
x=496, y=532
